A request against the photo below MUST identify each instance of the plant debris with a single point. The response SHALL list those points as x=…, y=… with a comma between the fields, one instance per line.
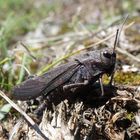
x=116, y=119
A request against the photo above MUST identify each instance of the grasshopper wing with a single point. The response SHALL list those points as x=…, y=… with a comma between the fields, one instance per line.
x=45, y=83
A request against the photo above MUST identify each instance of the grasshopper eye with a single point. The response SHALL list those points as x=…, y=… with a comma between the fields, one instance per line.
x=107, y=54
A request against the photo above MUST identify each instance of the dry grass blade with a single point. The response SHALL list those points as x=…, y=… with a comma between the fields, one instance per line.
x=27, y=118
x=29, y=52
x=128, y=54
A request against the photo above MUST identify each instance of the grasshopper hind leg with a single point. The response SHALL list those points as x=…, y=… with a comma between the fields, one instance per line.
x=40, y=109
x=75, y=85
x=80, y=79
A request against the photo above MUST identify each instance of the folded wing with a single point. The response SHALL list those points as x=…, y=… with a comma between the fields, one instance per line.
x=45, y=83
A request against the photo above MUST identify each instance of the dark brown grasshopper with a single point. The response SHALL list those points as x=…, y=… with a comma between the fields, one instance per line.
x=82, y=72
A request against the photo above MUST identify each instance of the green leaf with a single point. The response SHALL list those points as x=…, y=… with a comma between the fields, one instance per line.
x=4, y=110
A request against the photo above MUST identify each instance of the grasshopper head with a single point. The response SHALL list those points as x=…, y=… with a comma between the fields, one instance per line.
x=108, y=60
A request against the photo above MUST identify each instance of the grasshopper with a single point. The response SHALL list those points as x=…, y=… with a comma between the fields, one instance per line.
x=83, y=71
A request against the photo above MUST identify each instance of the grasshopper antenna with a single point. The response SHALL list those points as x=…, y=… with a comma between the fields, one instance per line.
x=118, y=33
x=116, y=42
